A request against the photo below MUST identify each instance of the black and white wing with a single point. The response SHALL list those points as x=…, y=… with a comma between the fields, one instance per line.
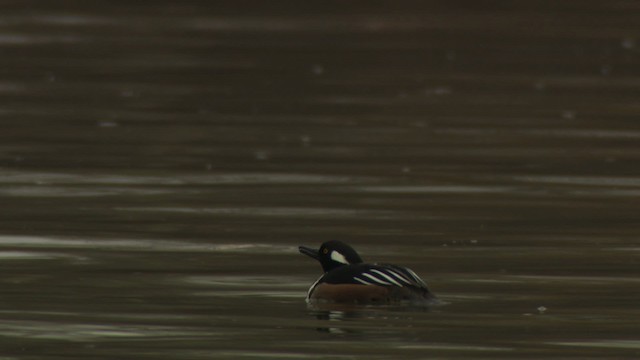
x=374, y=274
x=389, y=275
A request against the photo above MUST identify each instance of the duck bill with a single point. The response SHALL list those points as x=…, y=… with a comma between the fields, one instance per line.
x=309, y=252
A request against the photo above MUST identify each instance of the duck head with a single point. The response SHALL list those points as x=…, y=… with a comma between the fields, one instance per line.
x=332, y=254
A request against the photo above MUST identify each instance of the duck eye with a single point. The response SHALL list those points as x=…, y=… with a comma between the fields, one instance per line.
x=325, y=251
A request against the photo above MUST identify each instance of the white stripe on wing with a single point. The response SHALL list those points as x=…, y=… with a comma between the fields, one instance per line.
x=386, y=276
x=361, y=281
x=379, y=281
x=400, y=277
x=416, y=277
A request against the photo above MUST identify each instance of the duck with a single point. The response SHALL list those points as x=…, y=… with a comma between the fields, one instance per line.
x=348, y=279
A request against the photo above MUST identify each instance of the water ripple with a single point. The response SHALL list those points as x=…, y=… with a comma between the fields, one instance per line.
x=35, y=255
x=41, y=178
x=613, y=344
x=581, y=180
x=88, y=332
x=455, y=189
x=262, y=211
x=62, y=191
x=139, y=245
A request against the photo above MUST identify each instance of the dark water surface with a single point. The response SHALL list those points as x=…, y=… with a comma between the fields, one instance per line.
x=160, y=162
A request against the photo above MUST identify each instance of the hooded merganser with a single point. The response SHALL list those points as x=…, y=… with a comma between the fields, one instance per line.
x=347, y=279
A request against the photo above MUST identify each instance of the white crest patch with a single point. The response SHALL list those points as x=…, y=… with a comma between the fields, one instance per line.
x=337, y=257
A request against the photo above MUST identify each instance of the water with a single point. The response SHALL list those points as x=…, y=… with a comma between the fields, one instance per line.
x=160, y=164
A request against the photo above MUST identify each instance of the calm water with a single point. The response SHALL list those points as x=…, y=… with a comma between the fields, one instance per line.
x=160, y=163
